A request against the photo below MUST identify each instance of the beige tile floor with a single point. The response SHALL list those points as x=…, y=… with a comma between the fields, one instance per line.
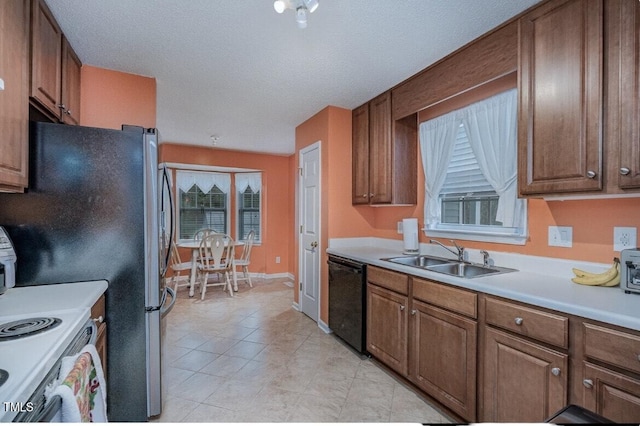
x=253, y=358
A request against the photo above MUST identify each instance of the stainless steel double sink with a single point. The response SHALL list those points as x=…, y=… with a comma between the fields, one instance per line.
x=448, y=266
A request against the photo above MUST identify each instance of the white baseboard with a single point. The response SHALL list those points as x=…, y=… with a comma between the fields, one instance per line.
x=295, y=306
x=324, y=327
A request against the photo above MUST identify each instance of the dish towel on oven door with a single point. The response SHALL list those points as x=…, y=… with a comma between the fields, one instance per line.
x=82, y=388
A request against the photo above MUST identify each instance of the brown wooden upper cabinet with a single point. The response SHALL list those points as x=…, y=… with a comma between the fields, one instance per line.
x=384, y=155
x=55, y=68
x=560, y=88
x=14, y=96
x=623, y=126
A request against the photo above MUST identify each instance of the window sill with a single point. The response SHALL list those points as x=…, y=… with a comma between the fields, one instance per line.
x=487, y=237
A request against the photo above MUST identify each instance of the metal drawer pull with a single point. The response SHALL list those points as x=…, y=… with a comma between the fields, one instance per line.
x=591, y=174
x=624, y=171
x=402, y=307
x=518, y=321
x=588, y=383
x=413, y=312
x=98, y=320
x=555, y=371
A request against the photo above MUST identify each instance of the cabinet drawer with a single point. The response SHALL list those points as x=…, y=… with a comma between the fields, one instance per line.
x=612, y=346
x=534, y=323
x=447, y=297
x=388, y=279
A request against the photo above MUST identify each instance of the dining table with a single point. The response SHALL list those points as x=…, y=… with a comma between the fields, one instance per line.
x=194, y=246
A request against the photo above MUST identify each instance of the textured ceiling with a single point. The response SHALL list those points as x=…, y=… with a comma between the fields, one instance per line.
x=242, y=72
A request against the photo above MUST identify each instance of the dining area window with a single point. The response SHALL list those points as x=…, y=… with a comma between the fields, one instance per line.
x=248, y=187
x=203, y=202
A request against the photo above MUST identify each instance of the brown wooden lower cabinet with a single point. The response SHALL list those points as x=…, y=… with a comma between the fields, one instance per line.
x=523, y=381
x=98, y=314
x=387, y=327
x=443, y=357
x=613, y=395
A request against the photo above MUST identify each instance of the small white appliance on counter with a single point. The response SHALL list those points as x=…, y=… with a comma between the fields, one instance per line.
x=410, y=236
x=7, y=262
x=630, y=270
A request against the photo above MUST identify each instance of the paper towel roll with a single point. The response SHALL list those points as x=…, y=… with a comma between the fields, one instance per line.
x=410, y=232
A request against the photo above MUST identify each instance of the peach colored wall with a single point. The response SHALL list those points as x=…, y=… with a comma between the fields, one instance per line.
x=112, y=98
x=276, y=198
x=331, y=126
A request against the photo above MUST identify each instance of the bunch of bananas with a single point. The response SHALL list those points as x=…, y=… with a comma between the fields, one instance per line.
x=608, y=278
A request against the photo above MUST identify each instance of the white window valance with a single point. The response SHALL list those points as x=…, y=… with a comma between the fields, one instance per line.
x=248, y=180
x=204, y=180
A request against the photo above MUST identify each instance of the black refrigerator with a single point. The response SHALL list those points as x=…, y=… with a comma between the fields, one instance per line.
x=94, y=211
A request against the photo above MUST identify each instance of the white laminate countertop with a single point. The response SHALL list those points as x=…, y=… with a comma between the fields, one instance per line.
x=52, y=297
x=540, y=281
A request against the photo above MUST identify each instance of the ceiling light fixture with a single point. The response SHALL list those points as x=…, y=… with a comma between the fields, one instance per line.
x=301, y=7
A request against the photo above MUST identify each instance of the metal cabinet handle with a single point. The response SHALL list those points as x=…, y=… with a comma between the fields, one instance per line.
x=588, y=383
x=402, y=307
x=62, y=107
x=591, y=174
x=518, y=321
x=624, y=171
x=555, y=371
x=98, y=320
x=364, y=195
x=68, y=112
x=413, y=312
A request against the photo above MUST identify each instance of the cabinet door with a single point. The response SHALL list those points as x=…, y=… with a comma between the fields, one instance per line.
x=523, y=382
x=443, y=358
x=380, y=155
x=629, y=148
x=360, y=151
x=610, y=394
x=46, y=46
x=560, y=88
x=70, y=98
x=387, y=327
x=14, y=98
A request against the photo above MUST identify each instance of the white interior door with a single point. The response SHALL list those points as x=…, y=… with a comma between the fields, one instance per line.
x=310, y=230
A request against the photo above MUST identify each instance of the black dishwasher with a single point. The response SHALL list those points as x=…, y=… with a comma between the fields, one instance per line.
x=347, y=301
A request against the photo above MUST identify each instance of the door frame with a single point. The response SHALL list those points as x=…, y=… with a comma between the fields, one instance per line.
x=316, y=145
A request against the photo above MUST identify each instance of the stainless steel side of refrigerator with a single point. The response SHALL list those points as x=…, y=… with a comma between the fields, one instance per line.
x=86, y=216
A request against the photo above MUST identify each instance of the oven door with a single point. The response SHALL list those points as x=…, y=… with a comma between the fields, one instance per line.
x=39, y=408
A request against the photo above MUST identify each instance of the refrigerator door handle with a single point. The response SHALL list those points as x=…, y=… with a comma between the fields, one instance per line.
x=164, y=311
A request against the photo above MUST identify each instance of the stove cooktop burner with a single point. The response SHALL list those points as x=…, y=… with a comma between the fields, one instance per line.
x=27, y=327
x=4, y=375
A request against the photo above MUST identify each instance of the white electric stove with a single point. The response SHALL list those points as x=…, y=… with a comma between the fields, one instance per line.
x=63, y=309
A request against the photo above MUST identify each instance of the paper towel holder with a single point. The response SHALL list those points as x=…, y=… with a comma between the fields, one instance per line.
x=411, y=241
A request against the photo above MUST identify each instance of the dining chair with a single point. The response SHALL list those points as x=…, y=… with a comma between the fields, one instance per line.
x=244, y=259
x=215, y=256
x=178, y=266
x=201, y=233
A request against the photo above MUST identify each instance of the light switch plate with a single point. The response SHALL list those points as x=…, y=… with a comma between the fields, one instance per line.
x=561, y=236
x=624, y=237
x=400, y=227
x=1, y=84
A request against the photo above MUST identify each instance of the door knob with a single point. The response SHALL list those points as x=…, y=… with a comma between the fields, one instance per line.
x=314, y=244
x=555, y=371
x=591, y=174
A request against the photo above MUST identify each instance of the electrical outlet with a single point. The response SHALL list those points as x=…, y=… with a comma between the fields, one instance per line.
x=624, y=238
x=400, y=228
x=277, y=259
x=561, y=236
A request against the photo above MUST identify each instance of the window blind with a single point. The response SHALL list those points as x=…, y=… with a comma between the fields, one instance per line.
x=464, y=175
